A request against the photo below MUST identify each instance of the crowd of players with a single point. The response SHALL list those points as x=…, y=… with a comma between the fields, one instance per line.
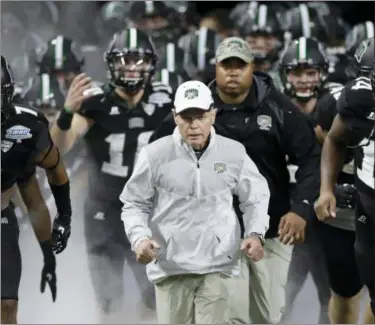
x=305, y=51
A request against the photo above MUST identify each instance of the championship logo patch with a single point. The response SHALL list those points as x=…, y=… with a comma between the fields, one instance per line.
x=220, y=168
x=191, y=93
x=264, y=122
x=18, y=132
x=6, y=145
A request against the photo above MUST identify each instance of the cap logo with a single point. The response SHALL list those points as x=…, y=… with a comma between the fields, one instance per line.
x=191, y=93
x=235, y=44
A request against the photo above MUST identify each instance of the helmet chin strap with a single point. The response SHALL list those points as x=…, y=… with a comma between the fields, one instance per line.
x=304, y=97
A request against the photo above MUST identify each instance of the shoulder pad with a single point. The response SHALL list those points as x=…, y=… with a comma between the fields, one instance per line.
x=29, y=114
x=332, y=85
x=159, y=86
x=94, y=91
x=357, y=99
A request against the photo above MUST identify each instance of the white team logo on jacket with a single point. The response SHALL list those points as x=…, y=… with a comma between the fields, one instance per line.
x=18, y=132
x=6, y=145
x=264, y=122
x=220, y=168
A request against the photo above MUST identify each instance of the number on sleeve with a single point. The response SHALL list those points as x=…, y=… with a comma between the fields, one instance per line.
x=20, y=110
x=362, y=84
x=115, y=166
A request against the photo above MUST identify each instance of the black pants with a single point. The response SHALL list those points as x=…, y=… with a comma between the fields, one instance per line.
x=306, y=258
x=339, y=254
x=11, y=267
x=108, y=248
x=365, y=247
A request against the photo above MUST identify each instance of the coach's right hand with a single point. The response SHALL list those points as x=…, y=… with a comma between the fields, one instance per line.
x=325, y=207
x=146, y=251
x=76, y=94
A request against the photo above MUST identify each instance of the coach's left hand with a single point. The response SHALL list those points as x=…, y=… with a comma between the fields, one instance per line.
x=292, y=229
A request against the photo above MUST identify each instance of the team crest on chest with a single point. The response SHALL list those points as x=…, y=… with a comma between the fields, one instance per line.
x=264, y=122
x=220, y=168
x=18, y=132
x=148, y=108
x=6, y=145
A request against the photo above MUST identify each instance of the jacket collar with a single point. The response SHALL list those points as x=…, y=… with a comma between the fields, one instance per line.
x=179, y=140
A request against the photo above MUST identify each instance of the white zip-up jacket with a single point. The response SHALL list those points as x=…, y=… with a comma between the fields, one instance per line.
x=186, y=204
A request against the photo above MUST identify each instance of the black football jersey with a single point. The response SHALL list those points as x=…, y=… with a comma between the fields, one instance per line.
x=119, y=133
x=324, y=114
x=24, y=136
x=356, y=107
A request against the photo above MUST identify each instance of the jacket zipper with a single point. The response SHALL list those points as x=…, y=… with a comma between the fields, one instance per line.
x=198, y=189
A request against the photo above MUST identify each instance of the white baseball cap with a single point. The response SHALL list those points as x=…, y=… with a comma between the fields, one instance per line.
x=193, y=94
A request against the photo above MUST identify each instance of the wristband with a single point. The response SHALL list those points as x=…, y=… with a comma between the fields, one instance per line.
x=65, y=120
x=67, y=109
x=61, y=194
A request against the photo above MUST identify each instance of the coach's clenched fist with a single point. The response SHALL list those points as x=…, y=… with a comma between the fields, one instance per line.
x=146, y=251
x=253, y=248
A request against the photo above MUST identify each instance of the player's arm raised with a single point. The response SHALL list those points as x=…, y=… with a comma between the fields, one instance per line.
x=70, y=126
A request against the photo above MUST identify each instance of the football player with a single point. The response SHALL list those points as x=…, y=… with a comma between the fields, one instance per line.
x=354, y=127
x=157, y=19
x=116, y=121
x=62, y=59
x=347, y=308
x=262, y=29
x=25, y=144
x=43, y=93
x=199, y=48
x=303, y=68
x=322, y=21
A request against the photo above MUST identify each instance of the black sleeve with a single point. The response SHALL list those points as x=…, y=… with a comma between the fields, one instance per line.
x=166, y=127
x=304, y=151
x=326, y=111
x=44, y=140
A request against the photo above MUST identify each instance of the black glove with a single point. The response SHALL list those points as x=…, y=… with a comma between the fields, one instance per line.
x=49, y=270
x=345, y=196
x=60, y=234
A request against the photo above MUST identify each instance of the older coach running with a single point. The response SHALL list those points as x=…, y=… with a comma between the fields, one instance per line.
x=179, y=217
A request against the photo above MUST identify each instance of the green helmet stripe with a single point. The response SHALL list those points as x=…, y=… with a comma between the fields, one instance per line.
x=46, y=86
x=302, y=49
x=59, y=51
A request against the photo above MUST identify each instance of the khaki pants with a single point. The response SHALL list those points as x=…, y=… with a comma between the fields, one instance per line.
x=239, y=294
x=192, y=299
x=268, y=279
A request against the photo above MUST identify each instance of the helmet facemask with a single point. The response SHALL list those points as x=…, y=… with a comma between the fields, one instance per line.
x=303, y=81
x=131, y=70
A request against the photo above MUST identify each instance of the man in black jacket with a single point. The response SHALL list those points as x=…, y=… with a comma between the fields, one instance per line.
x=253, y=112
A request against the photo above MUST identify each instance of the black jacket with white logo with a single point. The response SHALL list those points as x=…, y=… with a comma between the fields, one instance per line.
x=271, y=128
